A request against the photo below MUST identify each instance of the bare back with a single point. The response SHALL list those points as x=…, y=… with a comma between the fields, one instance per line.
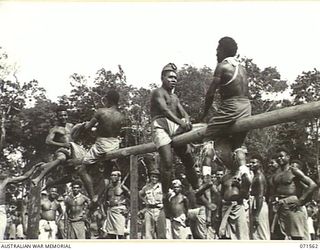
x=110, y=121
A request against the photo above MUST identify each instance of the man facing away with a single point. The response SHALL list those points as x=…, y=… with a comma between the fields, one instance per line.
x=109, y=121
x=169, y=119
x=230, y=78
x=234, y=188
x=6, y=179
x=49, y=207
x=290, y=218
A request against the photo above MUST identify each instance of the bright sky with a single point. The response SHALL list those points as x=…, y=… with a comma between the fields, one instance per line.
x=50, y=41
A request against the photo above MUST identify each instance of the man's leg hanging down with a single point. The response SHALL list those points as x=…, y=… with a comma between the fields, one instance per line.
x=87, y=182
x=185, y=155
x=166, y=175
x=45, y=168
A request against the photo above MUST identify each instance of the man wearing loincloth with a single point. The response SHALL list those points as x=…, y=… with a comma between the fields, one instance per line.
x=110, y=121
x=258, y=204
x=6, y=179
x=116, y=207
x=169, y=119
x=49, y=206
x=230, y=78
x=290, y=218
x=76, y=210
x=179, y=206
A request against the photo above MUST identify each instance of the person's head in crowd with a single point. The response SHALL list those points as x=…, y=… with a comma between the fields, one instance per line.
x=53, y=193
x=115, y=176
x=177, y=186
x=154, y=176
x=76, y=187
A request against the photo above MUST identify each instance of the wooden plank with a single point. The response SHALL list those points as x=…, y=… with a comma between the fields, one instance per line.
x=33, y=211
x=303, y=111
x=134, y=199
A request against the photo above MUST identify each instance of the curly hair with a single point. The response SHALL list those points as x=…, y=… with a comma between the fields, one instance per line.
x=228, y=45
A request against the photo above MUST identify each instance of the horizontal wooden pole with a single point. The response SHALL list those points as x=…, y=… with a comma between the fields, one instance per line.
x=294, y=113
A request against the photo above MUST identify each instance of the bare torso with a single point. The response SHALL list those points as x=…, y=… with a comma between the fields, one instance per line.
x=259, y=185
x=177, y=205
x=75, y=206
x=116, y=195
x=285, y=183
x=110, y=121
x=49, y=209
x=230, y=190
x=171, y=101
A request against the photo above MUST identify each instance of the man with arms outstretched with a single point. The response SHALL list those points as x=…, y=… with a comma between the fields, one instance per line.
x=169, y=119
x=230, y=78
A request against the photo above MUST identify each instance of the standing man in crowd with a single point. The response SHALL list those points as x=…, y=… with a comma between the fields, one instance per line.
x=76, y=210
x=155, y=220
x=179, y=206
x=6, y=179
x=48, y=215
x=169, y=119
x=259, y=208
x=234, y=188
x=290, y=219
x=116, y=207
x=230, y=77
x=109, y=121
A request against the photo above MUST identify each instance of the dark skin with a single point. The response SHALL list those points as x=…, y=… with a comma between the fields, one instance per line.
x=238, y=87
x=109, y=121
x=166, y=104
x=286, y=181
x=258, y=189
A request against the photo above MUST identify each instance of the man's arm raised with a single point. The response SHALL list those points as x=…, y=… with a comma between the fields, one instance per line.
x=211, y=91
x=25, y=176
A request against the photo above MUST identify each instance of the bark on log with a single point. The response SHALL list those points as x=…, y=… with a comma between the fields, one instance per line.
x=267, y=119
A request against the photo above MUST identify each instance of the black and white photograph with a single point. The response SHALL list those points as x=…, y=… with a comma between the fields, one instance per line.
x=157, y=121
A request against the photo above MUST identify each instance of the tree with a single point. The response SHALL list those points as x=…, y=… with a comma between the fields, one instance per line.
x=306, y=88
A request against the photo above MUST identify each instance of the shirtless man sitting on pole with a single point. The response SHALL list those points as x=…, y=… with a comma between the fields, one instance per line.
x=6, y=179
x=60, y=140
x=169, y=119
x=109, y=120
x=230, y=78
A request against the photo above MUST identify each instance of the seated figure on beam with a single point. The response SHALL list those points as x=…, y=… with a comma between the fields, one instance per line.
x=169, y=119
x=60, y=138
x=230, y=78
x=110, y=121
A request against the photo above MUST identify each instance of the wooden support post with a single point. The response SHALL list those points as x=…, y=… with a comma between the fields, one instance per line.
x=33, y=211
x=134, y=199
